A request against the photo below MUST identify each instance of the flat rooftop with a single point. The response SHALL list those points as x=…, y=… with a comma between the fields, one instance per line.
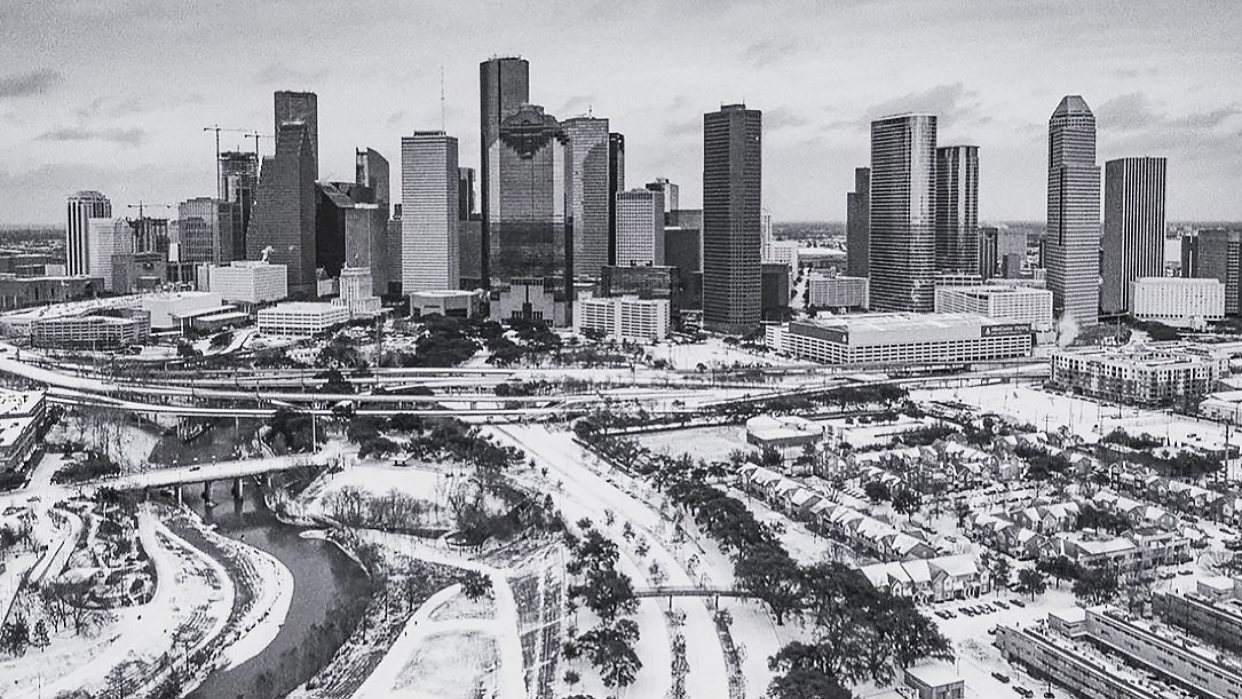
x=19, y=403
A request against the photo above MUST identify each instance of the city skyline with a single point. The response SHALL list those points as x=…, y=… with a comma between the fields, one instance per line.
x=1159, y=89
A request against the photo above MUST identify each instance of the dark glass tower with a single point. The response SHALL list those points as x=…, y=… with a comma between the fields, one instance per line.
x=732, y=190
x=529, y=232
x=1133, y=241
x=858, y=225
x=300, y=108
x=1072, y=240
x=371, y=170
x=616, y=183
x=903, y=213
x=504, y=86
x=284, y=210
x=957, y=209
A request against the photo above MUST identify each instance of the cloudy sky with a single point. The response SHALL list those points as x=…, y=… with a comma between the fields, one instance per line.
x=113, y=94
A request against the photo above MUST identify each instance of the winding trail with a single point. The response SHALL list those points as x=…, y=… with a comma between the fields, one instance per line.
x=584, y=493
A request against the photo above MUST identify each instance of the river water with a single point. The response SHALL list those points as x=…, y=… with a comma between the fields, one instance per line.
x=329, y=593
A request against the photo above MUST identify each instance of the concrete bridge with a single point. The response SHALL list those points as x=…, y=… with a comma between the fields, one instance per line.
x=671, y=591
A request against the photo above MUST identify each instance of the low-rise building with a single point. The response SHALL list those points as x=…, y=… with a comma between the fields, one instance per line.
x=1177, y=301
x=249, y=282
x=787, y=434
x=1156, y=375
x=624, y=317
x=103, y=329
x=1206, y=613
x=901, y=338
x=1135, y=554
x=997, y=301
x=935, y=682
x=21, y=417
x=357, y=296
x=169, y=310
x=20, y=292
x=532, y=298
x=837, y=292
x=449, y=302
x=301, y=319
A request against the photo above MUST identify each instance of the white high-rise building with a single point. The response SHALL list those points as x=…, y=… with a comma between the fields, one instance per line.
x=106, y=238
x=356, y=294
x=624, y=317
x=429, y=235
x=1176, y=301
x=640, y=228
x=83, y=206
x=249, y=282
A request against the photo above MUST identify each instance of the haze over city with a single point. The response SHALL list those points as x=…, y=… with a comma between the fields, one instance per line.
x=113, y=95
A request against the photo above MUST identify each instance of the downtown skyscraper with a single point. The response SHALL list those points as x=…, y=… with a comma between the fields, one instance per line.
x=732, y=195
x=858, y=225
x=504, y=86
x=616, y=183
x=284, y=211
x=1133, y=240
x=588, y=193
x=430, y=260
x=903, y=213
x=957, y=209
x=239, y=179
x=1072, y=240
x=299, y=108
x=81, y=208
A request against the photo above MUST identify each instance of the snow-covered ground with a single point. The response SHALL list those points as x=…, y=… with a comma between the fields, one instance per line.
x=431, y=486
x=714, y=353
x=1088, y=419
x=710, y=443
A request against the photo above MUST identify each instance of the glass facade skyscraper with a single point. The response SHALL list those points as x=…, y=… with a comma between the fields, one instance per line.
x=284, y=210
x=616, y=183
x=430, y=182
x=957, y=209
x=299, y=108
x=732, y=192
x=529, y=231
x=504, y=86
x=903, y=213
x=1133, y=241
x=1072, y=239
x=81, y=208
x=589, y=207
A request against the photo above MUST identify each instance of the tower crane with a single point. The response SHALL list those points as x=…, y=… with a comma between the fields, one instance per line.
x=256, y=136
x=217, y=128
x=142, y=204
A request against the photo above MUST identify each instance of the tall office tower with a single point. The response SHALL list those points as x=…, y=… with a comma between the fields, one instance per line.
x=239, y=178
x=1133, y=241
x=504, y=86
x=529, y=233
x=284, y=211
x=588, y=193
x=903, y=213
x=732, y=192
x=299, y=108
x=393, y=268
x=465, y=193
x=765, y=227
x=82, y=207
x=107, y=238
x=640, y=228
x=989, y=254
x=957, y=209
x=372, y=172
x=670, y=192
x=150, y=234
x=858, y=225
x=616, y=183
x=205, y=230
x=331, y=207
x=429, y=212
x=1072, y=241
x=1216, y=253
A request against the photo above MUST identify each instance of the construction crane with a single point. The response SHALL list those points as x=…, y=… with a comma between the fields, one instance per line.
x=142, y=204
x=217, y=128
x=256, y=136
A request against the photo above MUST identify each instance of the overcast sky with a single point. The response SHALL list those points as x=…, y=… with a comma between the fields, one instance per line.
x=113, y=94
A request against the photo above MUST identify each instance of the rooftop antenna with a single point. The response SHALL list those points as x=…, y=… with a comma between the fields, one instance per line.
x=441, y=96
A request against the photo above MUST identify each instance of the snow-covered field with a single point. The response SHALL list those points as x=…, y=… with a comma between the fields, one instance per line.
x=713, y=353
x=711, y=443
x=1088, y=419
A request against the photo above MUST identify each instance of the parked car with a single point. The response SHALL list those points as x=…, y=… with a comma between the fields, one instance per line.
x=1002, y=677
x=1018, y=603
